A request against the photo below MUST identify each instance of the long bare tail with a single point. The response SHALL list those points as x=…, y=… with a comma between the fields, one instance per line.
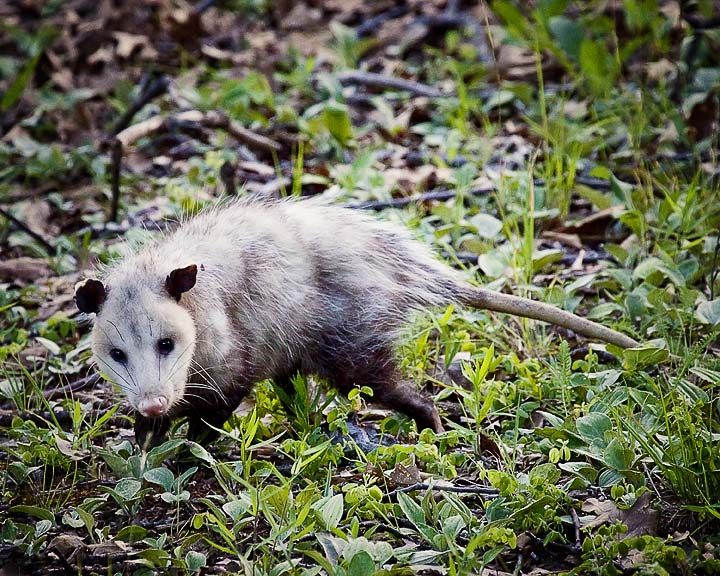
x=517, y=306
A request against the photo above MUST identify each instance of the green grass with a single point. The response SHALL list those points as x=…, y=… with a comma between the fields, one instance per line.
x=541, y=433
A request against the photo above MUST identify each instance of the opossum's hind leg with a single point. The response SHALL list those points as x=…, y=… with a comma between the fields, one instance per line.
x=378, y=371
x=403, y=397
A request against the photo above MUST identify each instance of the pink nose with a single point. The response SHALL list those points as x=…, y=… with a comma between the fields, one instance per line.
x=153, y=407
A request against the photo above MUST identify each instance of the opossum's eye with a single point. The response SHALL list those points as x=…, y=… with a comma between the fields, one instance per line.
x=165, y=346
x=118, y=355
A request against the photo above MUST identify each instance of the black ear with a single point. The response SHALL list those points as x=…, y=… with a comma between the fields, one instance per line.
x=90, y=295
x=181, y=280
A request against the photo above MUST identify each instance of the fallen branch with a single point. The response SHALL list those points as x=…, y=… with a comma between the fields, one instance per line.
x=152, y=90
x=227, y=175
x=82, y=384
x=481, y=490
x=116, y=151
x=212, y=119
x=20, y=225
x=389, y=82
x=441, y=194
x=372, y=25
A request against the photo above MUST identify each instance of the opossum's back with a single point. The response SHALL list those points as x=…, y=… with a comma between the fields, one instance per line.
x=328, y=246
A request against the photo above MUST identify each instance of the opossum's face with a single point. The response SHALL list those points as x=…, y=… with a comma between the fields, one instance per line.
x=143, y=339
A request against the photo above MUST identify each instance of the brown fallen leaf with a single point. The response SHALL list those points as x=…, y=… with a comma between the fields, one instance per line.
x=572, y=240
x=24, y=270
x=131, y=44
x=595, y=226
x=640, y=519
x=702, y=116
x=405, y=475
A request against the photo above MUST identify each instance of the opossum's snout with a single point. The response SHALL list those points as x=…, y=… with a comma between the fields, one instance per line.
x=153, y=407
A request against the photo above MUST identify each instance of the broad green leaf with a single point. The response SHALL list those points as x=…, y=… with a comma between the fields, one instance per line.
x=332, y=546
x=161, y=476
x=593, y=426
x=52, y=347
x=195, y=560
x=486, y=225
x=200, y=452
x=637, y=358
x=127, y=488
x=616, y=456
x=546, y=472
x=603, y=310
x=331, y=509
x=34, y=511
x=609, y=478
x=361, y=565
x=337, y=121
x=709, y=312
x=594, y=64
x=131, y=534
x=542, y=258
x=568, y=34
x=412, y=509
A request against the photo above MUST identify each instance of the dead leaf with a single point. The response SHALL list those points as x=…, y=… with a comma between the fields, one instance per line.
x=25, y=270
x=405, y=475
x=301, y=17
x=129, y=44
x=595, y=226
x=67, y=545
x=572, y=240
x=66, y=448
x=516, y=63
x=702, y=116
x=640, y=519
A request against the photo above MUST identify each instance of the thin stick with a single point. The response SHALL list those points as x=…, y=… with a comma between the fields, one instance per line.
x=390, y=82
x=372, y=25
x=576, y=526
x=212, y=119
x=82, y=384
x=437, y=194
x=227, y=175
x=25, y=228
x=481, y=490
x=153, y=89
x=116, y=153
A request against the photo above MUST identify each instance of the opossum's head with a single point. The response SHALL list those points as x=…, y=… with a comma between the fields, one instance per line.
x=142, y=338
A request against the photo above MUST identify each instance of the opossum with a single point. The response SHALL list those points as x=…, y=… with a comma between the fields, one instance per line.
x=266, y=289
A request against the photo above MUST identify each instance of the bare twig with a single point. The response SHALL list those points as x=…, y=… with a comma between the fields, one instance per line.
x=441, y=194
x=82, y=384
x=390, y=82
x=372, y=25
x=212, y=119
x=227, y=175
x=20, y=225
x=202, y=6
x=452, y=7
x=116, y=152
x=152, y=90
x=481, y=490
x=576, y=526
x=518, y=565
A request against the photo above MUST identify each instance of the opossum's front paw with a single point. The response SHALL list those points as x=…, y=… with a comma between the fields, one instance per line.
x=151, y=432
